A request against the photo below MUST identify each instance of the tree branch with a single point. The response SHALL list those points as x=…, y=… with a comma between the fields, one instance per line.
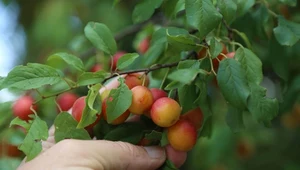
x=230, y=30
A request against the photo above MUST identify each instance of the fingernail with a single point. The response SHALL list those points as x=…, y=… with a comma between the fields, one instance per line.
x=155, y=152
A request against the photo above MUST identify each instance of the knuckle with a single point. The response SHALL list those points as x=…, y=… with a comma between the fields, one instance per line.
x=68, y=145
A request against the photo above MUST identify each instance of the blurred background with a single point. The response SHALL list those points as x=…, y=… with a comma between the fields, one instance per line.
x=32, y=30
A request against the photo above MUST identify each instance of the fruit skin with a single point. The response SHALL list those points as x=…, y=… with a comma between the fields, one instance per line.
x=135, y=79
x=220, y=57
x=119, y=120
x=182, y=136
x=202, y=53
x=115, y=59
x=144, y=45
x=21, y=107
x=77, y=110
x=142, y=100
x=66, y=100
x=165, y=112
x=176, y=157
x=96, y=67
x=158, y=93
x=245, y=149
x=195, y=116
x=9, y=150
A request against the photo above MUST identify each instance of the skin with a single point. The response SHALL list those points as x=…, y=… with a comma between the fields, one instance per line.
x=183, y=129
x=95, y=154
x=165, y=112
x=66, y=100
x=142, y=100
x=21, y=108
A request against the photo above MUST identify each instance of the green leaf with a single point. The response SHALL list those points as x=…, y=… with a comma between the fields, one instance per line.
x=153, y=135
x=126, y=60
x=168, y=165
x=243, y=6
x=164, y=139
x=69, y=59
x=9, y=163
x=131, y=132
x=32, y=76
x=232, y=82
x=116, y=2
x=172, y=7
x=92, y=107
x=144, y=10
x=187, y=97
x=289, y=2
x=121, y=101
x=234, y=119
x=88, y=78
x=202, y=15
x=173, y=85
x=228, y=9
x=32, y=144
x=183, y=42
x=185, y=76
x=202, y=95
x=251, y=64
x=287, y=32
x=262, y=108
x=6, y=113
x=188, y=64
x=215, y=48
x=101, y=37
x=20, y=122
x=65, y=128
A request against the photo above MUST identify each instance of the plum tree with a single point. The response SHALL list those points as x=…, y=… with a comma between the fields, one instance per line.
x=77, y=111
x=21, y=107
x=182, y=135
x=142, y=100
x=165, y=112
x=135, y=79
x=66, y=100
x=118, y=120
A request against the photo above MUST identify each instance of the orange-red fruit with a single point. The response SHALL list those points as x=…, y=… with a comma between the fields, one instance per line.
x=117, y=121
x=96, y=68
x=220, y=57
x=230, y=55
x=77, y=111
x=142, y=100
x=135, y=79
x=182, y=136
x=144, y=45
x=176, y=157
x=9, y=150
x=158, y=93
x=66, y=100
x=202, y=53
x=165, y=112
x=116, y=57
x=195, y=116
x=21, y=108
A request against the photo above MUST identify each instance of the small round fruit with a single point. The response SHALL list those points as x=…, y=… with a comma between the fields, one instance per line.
x=195, y=116
x=77, y=111
x=142, y=100
x=96, y=68
x=9, y=150
x=165, y=112
x=182, y=135
x=21, y=108
x=158, y=93
x=117, y=121
x=220, y=57
x=66, y=100
x=202, y=53
x=135, y=79
x=115, y=59
x=176, y=157
x=144, y=45
x=230, y=55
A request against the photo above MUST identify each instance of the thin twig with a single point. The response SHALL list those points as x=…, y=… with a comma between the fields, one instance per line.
x=230, y=30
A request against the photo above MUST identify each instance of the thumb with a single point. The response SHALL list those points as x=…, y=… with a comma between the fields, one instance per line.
x=121, y=155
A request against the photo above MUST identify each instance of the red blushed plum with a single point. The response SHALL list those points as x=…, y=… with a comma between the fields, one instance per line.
x=119, y=120
x=195, y=116
x=220, y=57
x=135, y=79
x=96, y=68
x=77, y=111
x=182, y=136
x=66, y=100
x=115, y=59
x=158, y=93
x=21, y=107
x=10, y=150
x=142, y=100
x=176, y=157
x=144, y=45
x=165, y=112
